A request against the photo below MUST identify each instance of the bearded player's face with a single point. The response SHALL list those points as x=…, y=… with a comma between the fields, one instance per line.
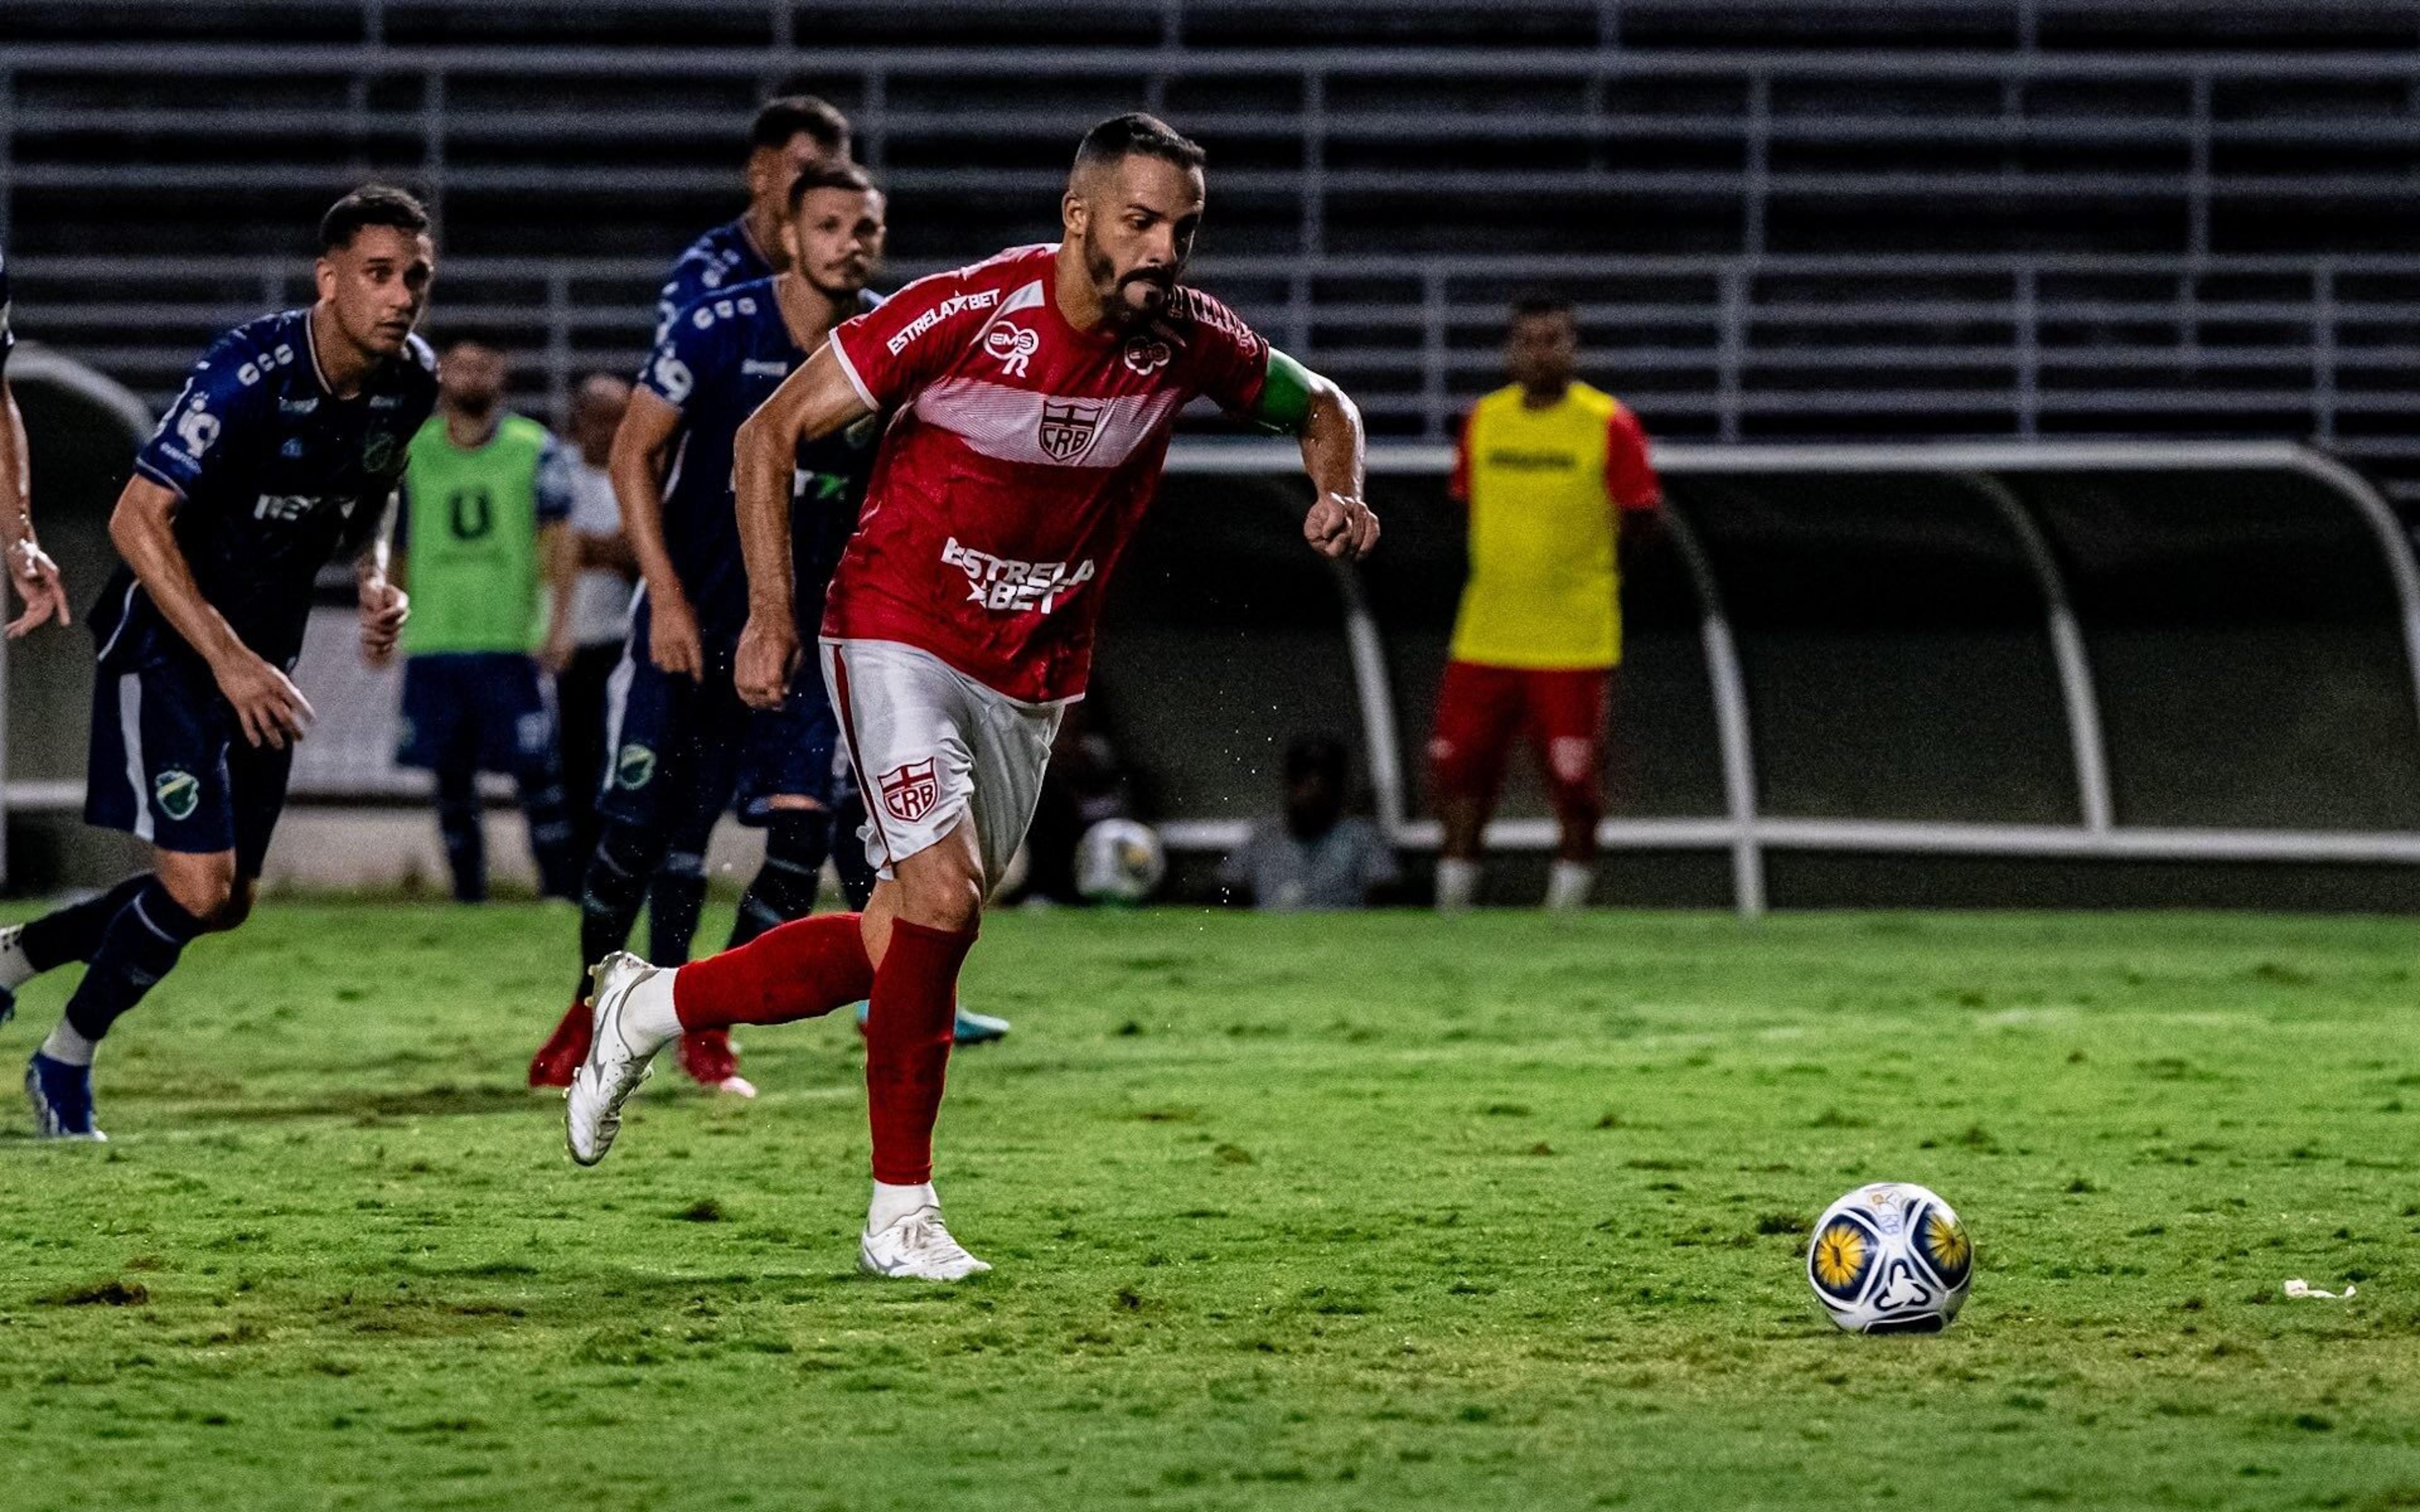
x=1140, y=216
x=836, y=239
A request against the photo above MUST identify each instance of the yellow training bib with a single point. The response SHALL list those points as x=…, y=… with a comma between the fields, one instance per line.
x=1543, y=575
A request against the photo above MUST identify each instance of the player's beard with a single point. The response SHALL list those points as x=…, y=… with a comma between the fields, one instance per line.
x=843, y=293
x=1103, y=271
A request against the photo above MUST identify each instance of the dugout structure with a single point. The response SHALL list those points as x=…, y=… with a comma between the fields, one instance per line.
x=1991, y=673
x=1927, y=675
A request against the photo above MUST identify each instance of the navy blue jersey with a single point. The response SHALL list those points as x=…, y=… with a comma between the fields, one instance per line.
x=723, y=357
x=272, y=468
x=7, y=337
x=723, y=258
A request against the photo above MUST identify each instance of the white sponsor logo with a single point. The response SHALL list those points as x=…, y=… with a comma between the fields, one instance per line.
x=673, y=378
x=287, y=506
x=752, y=368
x=1148, y=357
x=954, y=305
x=1014, y=347
x=1004, y=586
x=297, y=407
x=198, y=428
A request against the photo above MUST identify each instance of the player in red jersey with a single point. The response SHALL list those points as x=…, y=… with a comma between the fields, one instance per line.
x=1031, y=398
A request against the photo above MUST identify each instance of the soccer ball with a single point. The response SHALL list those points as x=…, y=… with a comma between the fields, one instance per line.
x=1119, y=861
x=1890, y=1258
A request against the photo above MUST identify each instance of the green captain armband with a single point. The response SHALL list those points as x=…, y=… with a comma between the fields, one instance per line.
x=1285, y=395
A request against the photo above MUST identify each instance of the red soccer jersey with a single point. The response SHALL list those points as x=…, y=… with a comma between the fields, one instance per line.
x=1021, y=456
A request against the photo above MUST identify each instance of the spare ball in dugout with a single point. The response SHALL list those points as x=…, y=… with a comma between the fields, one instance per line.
x=1119, y=861
x=1890, y=1258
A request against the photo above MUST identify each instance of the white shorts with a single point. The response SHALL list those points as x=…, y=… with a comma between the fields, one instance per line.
x=930, y=745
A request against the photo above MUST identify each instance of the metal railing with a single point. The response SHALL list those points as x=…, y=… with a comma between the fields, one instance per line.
x=1690, y=194
x=1747, y=833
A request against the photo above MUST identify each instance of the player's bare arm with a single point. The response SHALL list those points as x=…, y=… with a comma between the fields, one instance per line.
x=1299, y=401
x=30, y=569
x=812, y=403
x=558, y=554
x=270, y=707
x=641, y=458
x=379, y=578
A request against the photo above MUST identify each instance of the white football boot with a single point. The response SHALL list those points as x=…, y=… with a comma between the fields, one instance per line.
x=621, y=1053
x=916, y=1246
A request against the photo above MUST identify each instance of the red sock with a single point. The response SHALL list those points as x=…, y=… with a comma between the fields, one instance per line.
x=907, y=1046
x=801, y=970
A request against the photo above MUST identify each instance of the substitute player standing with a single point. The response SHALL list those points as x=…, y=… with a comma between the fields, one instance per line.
x=1549, y=468
x=684, y=743
x=283, y=449
x=1033, y=395
x=481, y=533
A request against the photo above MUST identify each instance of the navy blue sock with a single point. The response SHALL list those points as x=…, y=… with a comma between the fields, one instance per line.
x=462, y=824
x=857, y=874
x=551, y=832
x=676, y=897
x=73, y=932
x=616, y=890
x=796, y=843
x=140, y=946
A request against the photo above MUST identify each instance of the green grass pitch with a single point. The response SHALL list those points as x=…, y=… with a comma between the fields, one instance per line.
x=1376, y=1211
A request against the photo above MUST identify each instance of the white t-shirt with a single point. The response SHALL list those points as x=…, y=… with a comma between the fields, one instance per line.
x=601, y=598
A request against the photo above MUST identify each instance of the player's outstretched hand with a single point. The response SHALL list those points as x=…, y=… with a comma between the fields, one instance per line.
x=384, y=607
x=36, y=578
x=769, y=655
x=1340, y=526
x=672, y=642
x=271, y=708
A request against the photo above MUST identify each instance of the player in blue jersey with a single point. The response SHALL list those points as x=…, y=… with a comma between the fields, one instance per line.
x=683, y=745
x=283, y=451
x=30, y=569
x=789, y=136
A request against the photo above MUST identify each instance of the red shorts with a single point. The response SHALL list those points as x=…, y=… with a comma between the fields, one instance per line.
x=1481, y=709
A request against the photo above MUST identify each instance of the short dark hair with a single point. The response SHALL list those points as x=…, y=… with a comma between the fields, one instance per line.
x=1127, y=135
x=371, y=205
x=847, y=176
x=787, y=116
x=1533, y=303
x=1317, y=755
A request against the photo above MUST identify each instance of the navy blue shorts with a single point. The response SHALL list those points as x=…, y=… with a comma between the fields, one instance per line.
x=483, y=708
x=169, y=763
x=686, y=750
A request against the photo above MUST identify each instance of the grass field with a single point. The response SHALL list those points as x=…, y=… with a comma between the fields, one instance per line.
x=1363, y=1213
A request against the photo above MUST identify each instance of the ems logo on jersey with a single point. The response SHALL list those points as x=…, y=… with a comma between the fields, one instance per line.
x=909, y=792
x=1145, y=358
x=1012, y=347
x=178, y=792
x=1069, y=428
x=634, y=768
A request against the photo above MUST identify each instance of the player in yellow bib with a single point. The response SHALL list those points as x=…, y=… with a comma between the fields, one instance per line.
x=1549, y=468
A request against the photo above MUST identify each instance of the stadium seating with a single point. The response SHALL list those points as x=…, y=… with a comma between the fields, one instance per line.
x=1875, y=218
